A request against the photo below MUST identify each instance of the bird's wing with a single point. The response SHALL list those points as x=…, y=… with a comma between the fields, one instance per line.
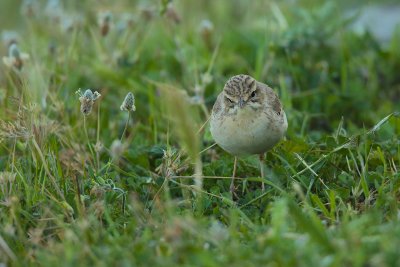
x=272, y=100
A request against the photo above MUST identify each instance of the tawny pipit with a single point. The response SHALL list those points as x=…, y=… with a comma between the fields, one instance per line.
x=247, y=118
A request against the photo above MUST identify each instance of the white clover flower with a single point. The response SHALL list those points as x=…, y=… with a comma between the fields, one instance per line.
x=129, y=103
x=87, y=100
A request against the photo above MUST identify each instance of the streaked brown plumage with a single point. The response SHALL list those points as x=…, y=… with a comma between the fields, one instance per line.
x=247, y=117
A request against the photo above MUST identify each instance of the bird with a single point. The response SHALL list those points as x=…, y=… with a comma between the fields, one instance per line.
x=247, y=119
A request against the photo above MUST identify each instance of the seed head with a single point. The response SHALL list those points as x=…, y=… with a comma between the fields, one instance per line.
x=87, y=100
x=206, y=30
x=147, y=13
x=13, y=51
x=172, y=14
x=206, y=26
x=15, y=57
x=104, y=20
x=129, y=103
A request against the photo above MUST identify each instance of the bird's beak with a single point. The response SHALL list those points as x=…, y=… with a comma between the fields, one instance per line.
x=241, y=103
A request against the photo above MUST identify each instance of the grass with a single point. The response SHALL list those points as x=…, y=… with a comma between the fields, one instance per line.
x=161, y=196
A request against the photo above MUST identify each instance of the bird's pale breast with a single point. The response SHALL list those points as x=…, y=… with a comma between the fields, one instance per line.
x=248, y=131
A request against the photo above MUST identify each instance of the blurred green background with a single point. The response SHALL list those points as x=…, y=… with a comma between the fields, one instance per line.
x=70, y=194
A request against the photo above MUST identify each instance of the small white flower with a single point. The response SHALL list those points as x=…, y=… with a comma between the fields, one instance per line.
x=129, y=103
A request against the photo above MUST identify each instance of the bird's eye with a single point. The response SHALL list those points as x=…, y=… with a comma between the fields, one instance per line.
x=253, y=94
x=230, y=101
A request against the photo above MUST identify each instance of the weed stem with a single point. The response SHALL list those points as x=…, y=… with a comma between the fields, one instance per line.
x=126, y=126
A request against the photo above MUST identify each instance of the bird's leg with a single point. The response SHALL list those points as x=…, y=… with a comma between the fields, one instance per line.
x=262, y=171
x=232, y=188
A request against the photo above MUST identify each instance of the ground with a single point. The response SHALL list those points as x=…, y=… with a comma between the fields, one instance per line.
x=148, y=187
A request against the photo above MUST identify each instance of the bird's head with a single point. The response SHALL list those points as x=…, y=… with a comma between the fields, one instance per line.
x=241, y=91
